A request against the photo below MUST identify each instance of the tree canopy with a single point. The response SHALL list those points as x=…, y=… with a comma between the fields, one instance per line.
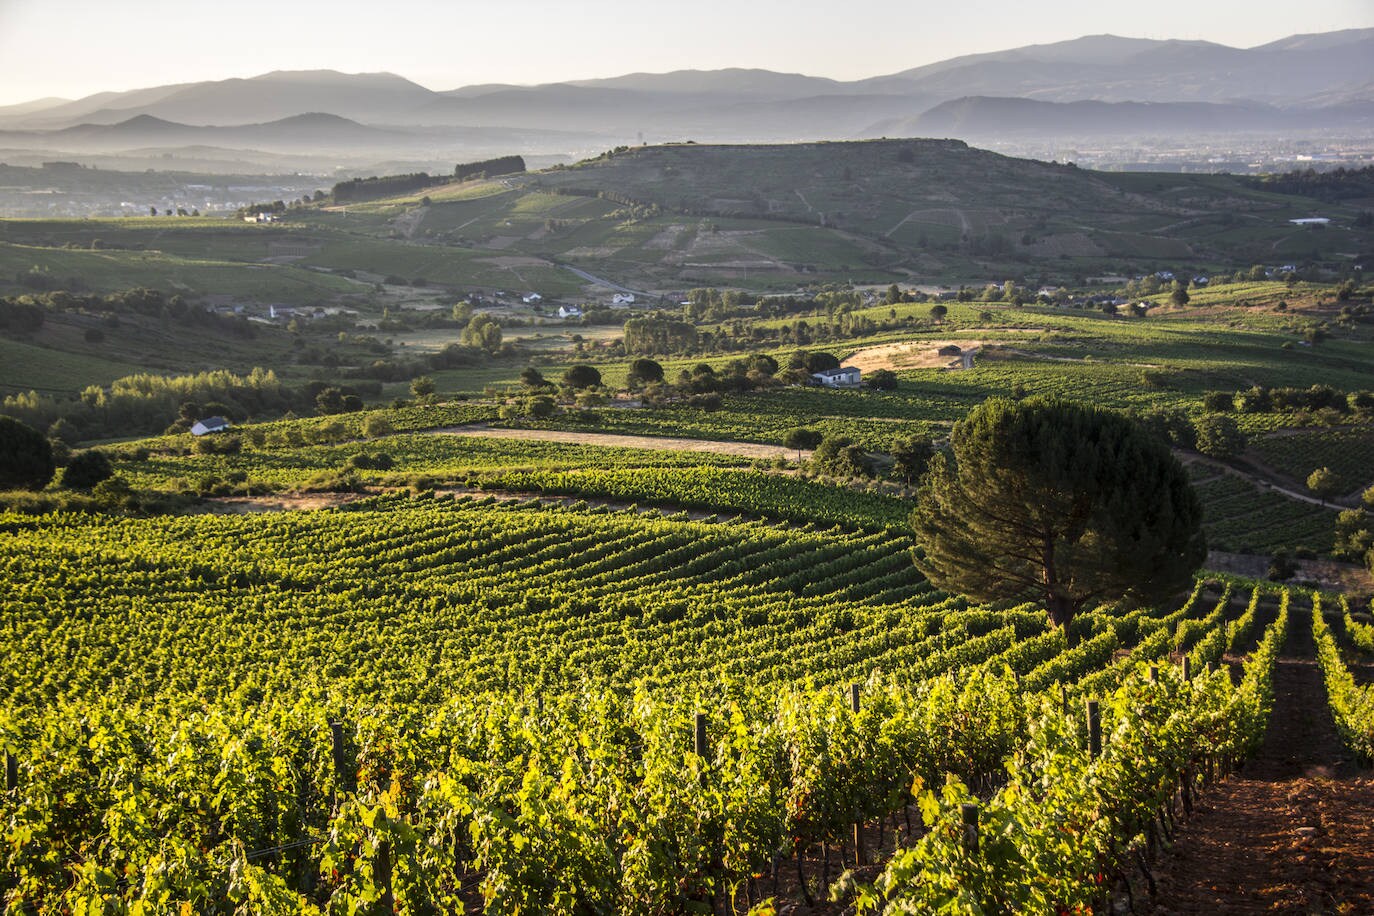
x=26, y=461
x=86, y=470
x=802, y=439
x=483, y=333
x=1219, y=436
x=644, y=372
x=581, y=376
x=1058, y=502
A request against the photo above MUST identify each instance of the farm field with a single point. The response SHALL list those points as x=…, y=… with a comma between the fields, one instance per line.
x=1345, y=451
x=472, y=601
x=475, y=652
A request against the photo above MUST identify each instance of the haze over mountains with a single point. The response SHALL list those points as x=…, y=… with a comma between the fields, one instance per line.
x=1080, y=88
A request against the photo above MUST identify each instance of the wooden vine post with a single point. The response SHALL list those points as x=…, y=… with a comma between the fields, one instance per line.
x=381, y=876
x=1094, y=730
x=854, y=704
x=969, y=814
x=336, y=737
x=11, y=772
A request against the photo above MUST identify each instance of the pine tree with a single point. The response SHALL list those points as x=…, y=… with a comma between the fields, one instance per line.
x=1052, y=501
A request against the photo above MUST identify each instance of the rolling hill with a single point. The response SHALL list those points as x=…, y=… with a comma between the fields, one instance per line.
x=774, y=217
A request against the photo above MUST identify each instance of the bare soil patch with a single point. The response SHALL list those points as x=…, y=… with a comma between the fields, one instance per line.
x=277, y=502
x=1330, y=575
x=913, y=354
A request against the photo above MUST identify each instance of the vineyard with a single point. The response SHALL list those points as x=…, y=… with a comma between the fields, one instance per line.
x=430, y=704
x=1242, y=517
x=1345, y=451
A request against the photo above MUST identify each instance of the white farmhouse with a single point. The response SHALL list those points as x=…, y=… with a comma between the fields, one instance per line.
x=843, y=377
x=569, y=311
x=623, y=299
x=209, y=425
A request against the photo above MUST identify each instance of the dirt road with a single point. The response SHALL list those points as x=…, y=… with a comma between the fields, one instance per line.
x=1293, y=832
x=742, y=449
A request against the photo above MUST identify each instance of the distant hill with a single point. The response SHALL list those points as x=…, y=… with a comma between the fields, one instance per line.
x=269, y=97
x=776, y=216
x=1298, y=83
x=983, y=118
x=1110, y=68
x=311, y=131
x=934, y=201
x=1294, y=71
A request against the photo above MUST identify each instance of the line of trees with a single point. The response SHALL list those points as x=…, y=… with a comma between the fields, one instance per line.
x=380, y=186
x=489, y=168
x=146, y=403
x=376, y=187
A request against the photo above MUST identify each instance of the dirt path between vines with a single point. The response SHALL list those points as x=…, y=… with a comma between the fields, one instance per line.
x=1293, y=832
x=615, y=440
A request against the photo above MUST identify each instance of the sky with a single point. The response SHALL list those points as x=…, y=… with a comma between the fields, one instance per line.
x=73, y=48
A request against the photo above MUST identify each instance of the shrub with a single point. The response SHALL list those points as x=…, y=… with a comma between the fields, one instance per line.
x=376, y=426
x=26, y=461
x=87, y=469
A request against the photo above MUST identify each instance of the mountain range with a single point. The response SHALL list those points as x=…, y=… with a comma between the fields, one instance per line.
x=1082, y=87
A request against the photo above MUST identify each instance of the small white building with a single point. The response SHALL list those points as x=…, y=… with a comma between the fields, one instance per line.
x=843, y=377
x=210, y=425
x=569, y=311
x=623, y=299
x=532, y=299
x=1310, y=221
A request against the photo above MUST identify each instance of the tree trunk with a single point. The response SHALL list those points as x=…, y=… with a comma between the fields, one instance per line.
x=1060, y=608
x=1059, y=605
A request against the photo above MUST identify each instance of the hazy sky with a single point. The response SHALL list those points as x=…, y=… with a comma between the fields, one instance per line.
x=73, y=48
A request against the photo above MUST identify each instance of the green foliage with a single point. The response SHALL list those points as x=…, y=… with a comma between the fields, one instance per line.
x=802, y=439
x=1218, y=401
x=146, y=403
x=1324, y=482
x=1219, y=436
x=377, y=425
x=1063, y=824
x=515, y=685
x=644, y=372
x=531, y=377
x=881, y=380
x=1069, y=504
x=658, y=334
x=483, y=332
x=581, y=376
x=1352, y=705
x=910, y=457
x=813, y=361
x=26, y=460
x=86, y=469
x=422, y=387
x=838, y=456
